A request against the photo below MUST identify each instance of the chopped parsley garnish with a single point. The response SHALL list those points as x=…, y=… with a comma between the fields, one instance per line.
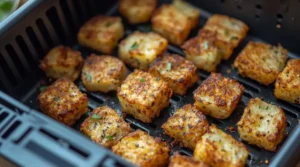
x=267, y=107
x=169, y=66
x=134, y=46
x=56, y=98
x=88, y=76
x=234, y=38
x=142, y=80
x=42, y=88
x=108, y=24
x=96, y=117
x=157, y=79
x=205, y=45
x=109, y=138
x=226, y=32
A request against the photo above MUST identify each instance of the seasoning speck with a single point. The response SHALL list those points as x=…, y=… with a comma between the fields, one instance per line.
x=88, y=76
x=267, y=107
x=134, y=46
x=56, y=98
x=205, y=45
x=169, y=66
x=109, y=138
x=142, y=80
x=96, y=117
x=42, y=88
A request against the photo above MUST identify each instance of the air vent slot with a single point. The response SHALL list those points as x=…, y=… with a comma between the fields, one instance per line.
x=8, y=71
x=54, y=19
x=11, y=129
x=25, y=50
x=13, y=55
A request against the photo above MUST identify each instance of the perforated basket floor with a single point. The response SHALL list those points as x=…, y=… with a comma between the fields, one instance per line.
x=257, y=157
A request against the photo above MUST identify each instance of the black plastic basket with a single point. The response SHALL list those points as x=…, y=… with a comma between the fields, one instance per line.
x=29, y=138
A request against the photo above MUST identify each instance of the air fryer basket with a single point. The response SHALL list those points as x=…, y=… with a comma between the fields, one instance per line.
x=29, y=33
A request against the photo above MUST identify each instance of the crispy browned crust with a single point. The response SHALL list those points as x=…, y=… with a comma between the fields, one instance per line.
x=254, y=119
x=137, y=11
x=230, y=32
x=171, y=24
x=287, y=85
x=261, y=62
x=187, y=125
x=225, y=94
x=143, y=95
x=101, y=33
x=63, y=101
x=181, y=76
x=62, y=62
x=108, y=129
x=143, y=150
x=218, y=149
x=178, y=160
x=103, y=73
x=203, y=51
x=149, y=46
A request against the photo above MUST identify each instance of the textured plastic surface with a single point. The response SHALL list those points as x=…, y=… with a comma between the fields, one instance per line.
x=48, y=23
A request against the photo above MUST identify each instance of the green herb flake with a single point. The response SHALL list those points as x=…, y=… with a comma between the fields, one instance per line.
x=233, y=38
x=226, y=32
x=109, y=138
x=205, y=45
x=88, y=76
x=157, y=79
x=56, y=98
x=6, y=6
x=267, y=107
x=42, y=88
x=96, y=117
x=142, y=80
x=169, y=66
x=134, y=46
x=108, y=24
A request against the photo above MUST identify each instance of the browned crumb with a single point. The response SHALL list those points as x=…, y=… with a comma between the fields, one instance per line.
x=231, y=128
x=266, y=161
x=228, y=71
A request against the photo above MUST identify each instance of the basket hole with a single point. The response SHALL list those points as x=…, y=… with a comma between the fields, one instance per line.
x=23, y=135
x=41, y=26
x=279, y=16
x=13, y=55
x=239, y=7
x=25, y=50
x=259, y=7
x=10, y=76
x=34, y=40
x=54, y=19
x=176, y=98
x=3, y=115
x=11, y=129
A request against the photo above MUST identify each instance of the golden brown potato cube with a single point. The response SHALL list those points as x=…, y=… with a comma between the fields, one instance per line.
x=143, y=96
x=105, y=127
x=262, y=124
x=218, y=96
x=63, y=101
x=175, y=21
x=103, y=73
x=140, y=49
x=62, y=62
x=137, y=11
x=261, y=62
x=184, y=161
x=188, y=10
x=187, y=125
x=143, y=150
x=101, y=33
x=203, y=51
x=180, y=74
x=230, y=32
x=287, y=85
x=218, y=149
